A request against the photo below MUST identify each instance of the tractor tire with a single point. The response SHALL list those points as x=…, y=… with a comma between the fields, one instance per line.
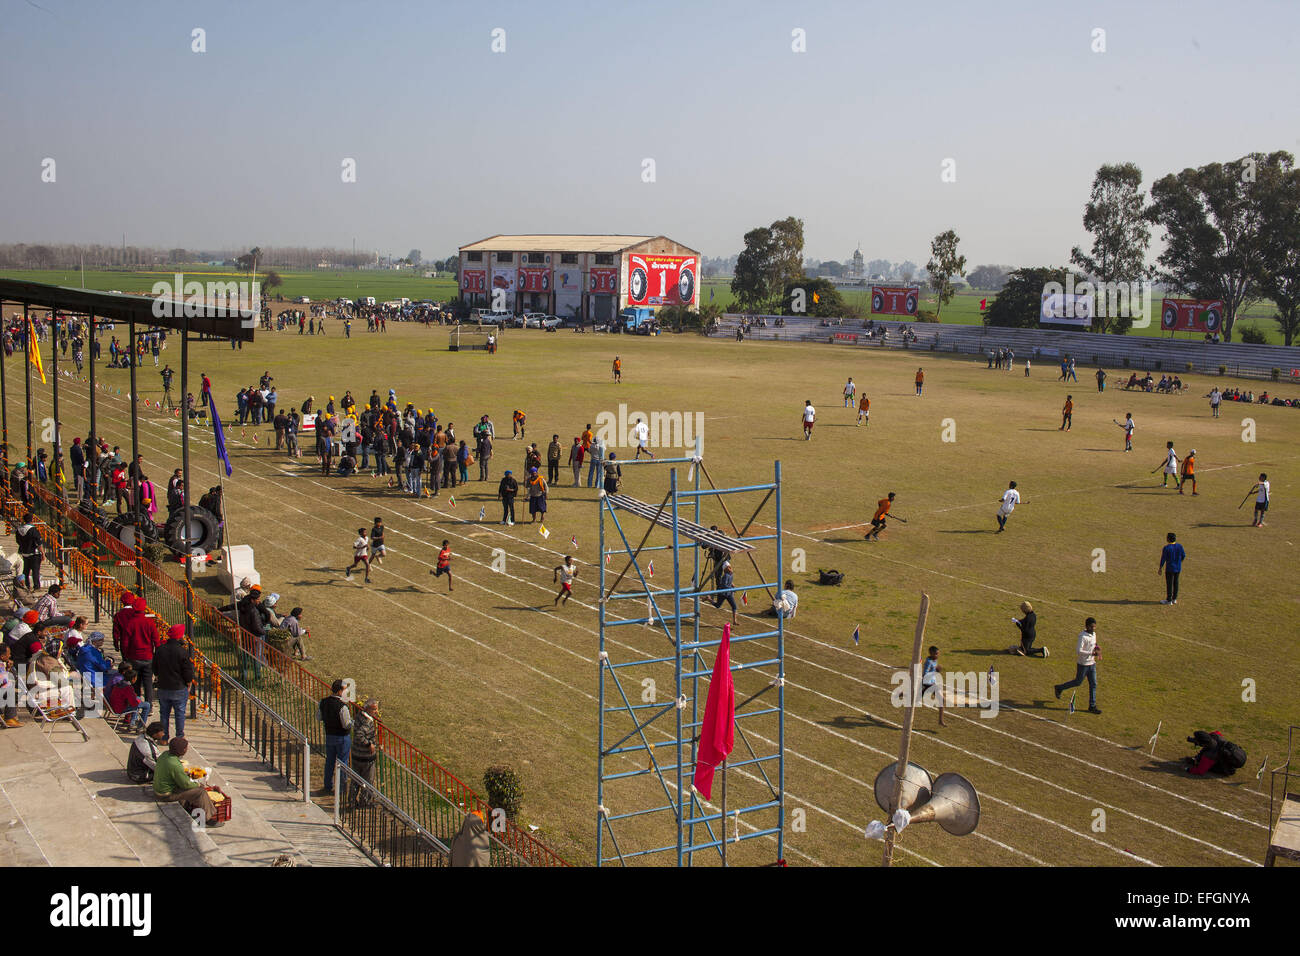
x=204, y=534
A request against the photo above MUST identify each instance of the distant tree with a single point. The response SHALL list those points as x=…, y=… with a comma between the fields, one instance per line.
x=272, y=280
x=1253, y=335
x=750, y=284
x=1279, y=273
x=1020, y=302
x=989, y=278
x=820, y=298
x=1115, y=214
x=1212, y=217
x=907, y=269
x=881, y=267
x=832, y=268
x=786, y=264
x=415, y=257
x=943, y=265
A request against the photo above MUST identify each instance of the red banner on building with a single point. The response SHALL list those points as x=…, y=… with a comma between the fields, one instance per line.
x=895, y=299
x=602, y=280
x=660, y=280
x=473, y=280
x=1191, y=315
x=534, y=279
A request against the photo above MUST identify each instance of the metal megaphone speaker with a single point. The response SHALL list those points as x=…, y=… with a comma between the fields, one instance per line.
x=953, y=804
x=917, y=786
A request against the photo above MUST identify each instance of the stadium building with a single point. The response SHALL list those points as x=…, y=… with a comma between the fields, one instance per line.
x=593, y=277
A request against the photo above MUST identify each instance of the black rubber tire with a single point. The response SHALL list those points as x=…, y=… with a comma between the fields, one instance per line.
x=203, y=530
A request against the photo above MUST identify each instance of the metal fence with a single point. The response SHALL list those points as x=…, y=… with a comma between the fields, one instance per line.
x=379, y=828
x=103, y=567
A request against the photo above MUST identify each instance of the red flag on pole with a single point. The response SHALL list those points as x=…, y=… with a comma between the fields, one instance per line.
x=718, y=731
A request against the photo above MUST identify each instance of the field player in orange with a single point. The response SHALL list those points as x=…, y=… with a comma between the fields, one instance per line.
x=1189, y=472
x=864, y=411
x=1067, y=414
x=878, y=519
x=618, y=369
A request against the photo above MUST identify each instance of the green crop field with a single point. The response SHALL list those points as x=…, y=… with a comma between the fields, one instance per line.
x=490, y=674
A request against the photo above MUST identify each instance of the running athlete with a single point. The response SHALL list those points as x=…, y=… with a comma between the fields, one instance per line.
x=1170, y=465
x=564, y=573
x=642, y=433
x=809, y=417
x=360, y=555
x=878, y=519
x=1128, y=431
x=1067, y=414
x=1010, y=498
x=864, y=410
x=377, y=549
x=850, y=390
x=1189, y=472
x=444, y=564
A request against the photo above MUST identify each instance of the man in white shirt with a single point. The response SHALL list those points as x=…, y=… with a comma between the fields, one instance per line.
x=1086, y=664
x=642, y=433
x=849, y=391
x=1171, y=465
x=1261, y=490
x=1010, y=498
x=787, y=602
x=809, y=416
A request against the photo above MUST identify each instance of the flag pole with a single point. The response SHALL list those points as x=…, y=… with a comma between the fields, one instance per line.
x=723, y=828
x=904, y=749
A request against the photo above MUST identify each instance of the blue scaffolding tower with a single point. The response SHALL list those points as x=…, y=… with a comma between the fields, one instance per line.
x=646, y=806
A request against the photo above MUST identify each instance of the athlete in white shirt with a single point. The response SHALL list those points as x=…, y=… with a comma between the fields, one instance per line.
x=1261, y=500
x=809, y=416
x=849, y=391
x=1171, y=465
x=642, y=432
x=1010, y=498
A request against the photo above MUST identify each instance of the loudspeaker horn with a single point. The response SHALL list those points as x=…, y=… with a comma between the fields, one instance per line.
x=917, y=786
x=953, y=804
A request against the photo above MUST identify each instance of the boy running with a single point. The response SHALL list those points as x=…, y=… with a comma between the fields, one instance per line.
x=444, y=564
x=850, y=390
x=1010, y=498
x=809, y=417
x=878, y=519
x=642, y=433
x=864, y=410
x=930, y=680
x=1189, y=472
x=1067, y=414
x=360, y=555
x=1261, y=492
x=564, y=573
x=377, y=549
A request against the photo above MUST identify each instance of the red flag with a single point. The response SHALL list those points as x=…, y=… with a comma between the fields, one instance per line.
x=718, y=732
x=982, y=305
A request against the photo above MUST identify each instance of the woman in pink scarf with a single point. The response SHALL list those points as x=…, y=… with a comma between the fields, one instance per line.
x=148, y=498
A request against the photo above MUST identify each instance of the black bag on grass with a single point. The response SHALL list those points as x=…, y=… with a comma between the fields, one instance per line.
x=830, y=577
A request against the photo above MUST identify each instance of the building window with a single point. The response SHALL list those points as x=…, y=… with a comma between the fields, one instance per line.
x=604, y=258
x=474, y=257
x=505, y=257
x=568, y=258
x=536, y=258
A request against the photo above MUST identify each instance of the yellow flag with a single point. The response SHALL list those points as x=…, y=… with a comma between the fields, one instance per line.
x=816, y=297
x=34, y=351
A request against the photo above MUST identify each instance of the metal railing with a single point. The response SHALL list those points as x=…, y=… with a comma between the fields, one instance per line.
x=260, y=728
x=379, y=828
x=105, y=568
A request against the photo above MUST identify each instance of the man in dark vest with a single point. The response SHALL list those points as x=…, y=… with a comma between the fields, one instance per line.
x=337, y=718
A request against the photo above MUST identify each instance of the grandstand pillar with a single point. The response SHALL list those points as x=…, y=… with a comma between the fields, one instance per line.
x=135, y=451
x=90, y=346
x=4, y=410
x=27, y=377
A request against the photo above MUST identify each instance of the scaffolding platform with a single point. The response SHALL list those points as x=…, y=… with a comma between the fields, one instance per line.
x=662, y=515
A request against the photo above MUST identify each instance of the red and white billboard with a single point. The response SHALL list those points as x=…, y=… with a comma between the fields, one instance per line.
x=473, y=280
x=895, y=299
x=602, y=281
x=534, y=279
x=1191, y=315
x=661, y=280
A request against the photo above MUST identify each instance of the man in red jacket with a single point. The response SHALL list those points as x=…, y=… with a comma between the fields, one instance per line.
x=139, y=638
x=121, y=617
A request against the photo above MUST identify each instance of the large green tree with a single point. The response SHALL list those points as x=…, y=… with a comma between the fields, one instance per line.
x=1213, y=217
x=943, y=265
x=1279, y=275
x=1115, y=214
x=753, y=270
x=1020, y=302
x=818, y=298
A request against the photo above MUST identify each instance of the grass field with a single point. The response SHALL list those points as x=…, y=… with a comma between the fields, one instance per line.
x=488, y=674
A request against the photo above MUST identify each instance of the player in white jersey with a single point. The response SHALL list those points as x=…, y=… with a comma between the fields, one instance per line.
x=1170, y=465
x=1010, y=498
x=809, y=417
x=564, y=573
x=1261, y=492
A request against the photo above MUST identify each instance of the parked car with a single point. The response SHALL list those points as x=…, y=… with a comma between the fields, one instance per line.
x=552, y=322
x=303, y=300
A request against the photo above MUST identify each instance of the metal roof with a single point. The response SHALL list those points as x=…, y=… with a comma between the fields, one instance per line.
x=554, y=243
x=119, y=307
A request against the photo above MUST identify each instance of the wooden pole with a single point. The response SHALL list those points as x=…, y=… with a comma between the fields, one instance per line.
x=905, y=747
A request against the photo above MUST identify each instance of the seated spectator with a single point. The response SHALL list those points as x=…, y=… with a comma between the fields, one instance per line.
x=143, y=755
x=171, y=784
x=91, y=662
x=48, y=606
x=122, y=698
x=1263, y=399
x=8, y=683
x=1178, y=384
x=347, y=466
x=787, y=602
x=1132, y=381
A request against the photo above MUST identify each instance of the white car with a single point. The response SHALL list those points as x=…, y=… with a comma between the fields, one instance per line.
x=303, y=300
x=533, y=320
x=552, y=322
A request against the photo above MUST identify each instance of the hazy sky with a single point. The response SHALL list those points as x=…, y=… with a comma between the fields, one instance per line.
x=243, y=144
